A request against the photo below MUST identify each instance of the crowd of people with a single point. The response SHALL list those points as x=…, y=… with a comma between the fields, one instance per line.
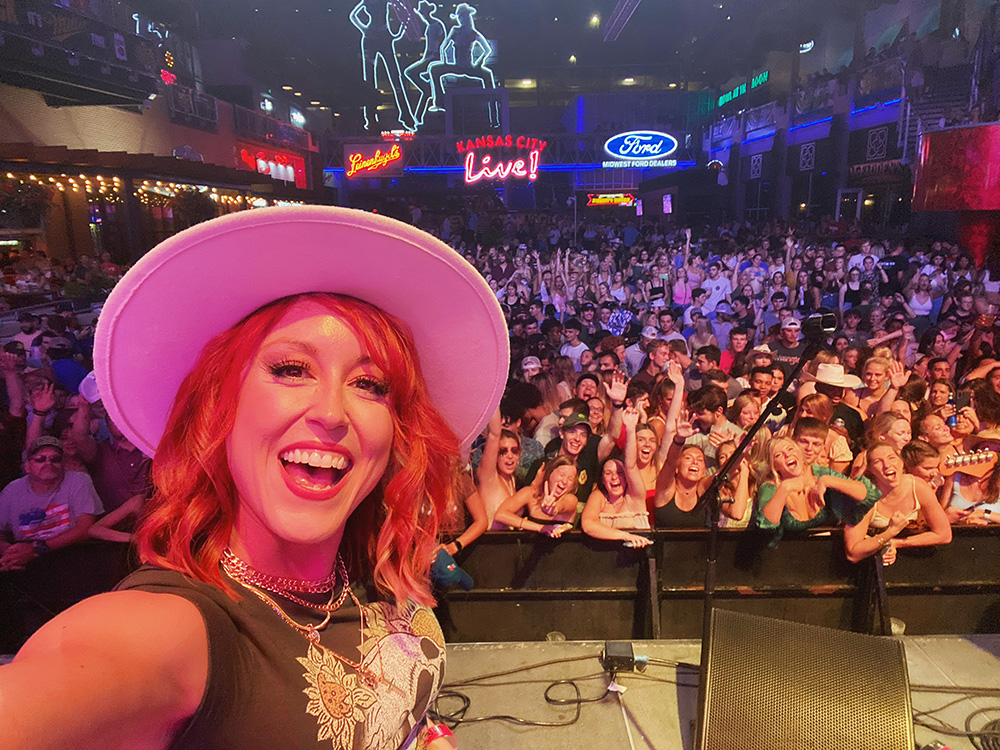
x=641, y=355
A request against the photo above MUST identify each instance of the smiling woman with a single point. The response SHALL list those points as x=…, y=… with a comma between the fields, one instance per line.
x=301, y=450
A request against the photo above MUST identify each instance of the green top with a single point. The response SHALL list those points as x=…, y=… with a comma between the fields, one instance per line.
x=837, y=507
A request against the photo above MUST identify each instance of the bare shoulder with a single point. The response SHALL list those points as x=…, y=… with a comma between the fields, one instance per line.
x=123, y=669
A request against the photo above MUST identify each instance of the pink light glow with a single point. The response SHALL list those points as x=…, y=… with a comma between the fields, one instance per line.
x=502, y=170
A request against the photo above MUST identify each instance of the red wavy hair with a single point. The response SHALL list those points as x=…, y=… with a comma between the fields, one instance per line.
x=391, y=536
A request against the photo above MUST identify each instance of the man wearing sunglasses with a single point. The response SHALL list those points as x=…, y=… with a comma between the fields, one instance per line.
x=48, y=508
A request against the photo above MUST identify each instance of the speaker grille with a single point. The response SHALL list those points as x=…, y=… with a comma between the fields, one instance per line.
x=772, y=684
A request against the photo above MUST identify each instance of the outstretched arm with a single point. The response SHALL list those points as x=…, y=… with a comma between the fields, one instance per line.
x=676, y=376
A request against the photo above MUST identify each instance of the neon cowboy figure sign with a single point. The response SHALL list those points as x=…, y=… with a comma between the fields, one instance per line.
x=640, y=148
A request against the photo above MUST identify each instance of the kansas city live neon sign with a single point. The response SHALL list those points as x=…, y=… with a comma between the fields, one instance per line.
x=493, y=166
x=357, y=162
x=640, y=148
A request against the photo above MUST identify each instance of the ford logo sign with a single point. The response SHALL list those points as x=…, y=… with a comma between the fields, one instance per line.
x=640, y=145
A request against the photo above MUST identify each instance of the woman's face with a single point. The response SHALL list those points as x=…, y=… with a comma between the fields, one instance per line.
x=885, y=465
x=619, y=277
x=851, y=358
x=841, y=344
x=924, y=283
x=508, y=457
x=899, y=434
x=777, y=279
x=854, y=274
x=723, y=453
x=646, y=443
x=874, y=376
x=312, y=433
x=596, y=410
x=939, y=394
x=787, y=461
x=562, y=480
x=613, y=475
x=802, y=278
x=586, y=360
x=691, y=465
x=748, y=414
x=869, y=263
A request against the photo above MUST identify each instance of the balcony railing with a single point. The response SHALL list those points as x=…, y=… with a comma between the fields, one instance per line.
x=264, y=129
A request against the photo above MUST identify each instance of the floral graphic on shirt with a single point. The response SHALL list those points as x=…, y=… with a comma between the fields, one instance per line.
x=337, y=699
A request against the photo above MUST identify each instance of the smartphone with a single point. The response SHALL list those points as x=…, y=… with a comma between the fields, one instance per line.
x=664, y=276
x=962, y=400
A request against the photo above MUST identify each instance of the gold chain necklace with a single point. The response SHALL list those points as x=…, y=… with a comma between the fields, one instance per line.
x=311, y=632
x=273, y=583
x=240, y=571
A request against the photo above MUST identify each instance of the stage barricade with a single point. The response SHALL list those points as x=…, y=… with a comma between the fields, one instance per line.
x=529, y=587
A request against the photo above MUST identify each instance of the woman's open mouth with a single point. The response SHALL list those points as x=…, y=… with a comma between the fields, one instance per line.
x=314, y=472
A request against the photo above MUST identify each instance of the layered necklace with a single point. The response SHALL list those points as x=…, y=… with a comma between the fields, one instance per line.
x=257, y=583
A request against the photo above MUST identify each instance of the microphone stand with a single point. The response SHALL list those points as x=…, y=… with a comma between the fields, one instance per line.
x=815, y=330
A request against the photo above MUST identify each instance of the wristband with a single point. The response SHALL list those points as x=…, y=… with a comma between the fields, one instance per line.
x=520, y=525
x=458, y=545
x=43, y=413
x=439, y=731
x=618, y=404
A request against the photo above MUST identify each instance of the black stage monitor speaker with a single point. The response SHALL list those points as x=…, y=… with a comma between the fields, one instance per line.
x=777, y=685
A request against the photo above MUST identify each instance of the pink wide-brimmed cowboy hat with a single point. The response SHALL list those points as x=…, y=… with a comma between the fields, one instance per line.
x=206, y=279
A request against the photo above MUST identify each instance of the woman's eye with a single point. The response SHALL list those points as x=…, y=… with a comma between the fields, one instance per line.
x=289, y=370
x=373, y=386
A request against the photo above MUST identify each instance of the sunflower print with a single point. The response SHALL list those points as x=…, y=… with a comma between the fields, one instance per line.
x=337, y=698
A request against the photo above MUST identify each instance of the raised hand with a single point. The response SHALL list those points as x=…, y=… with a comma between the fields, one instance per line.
x=549, y=501
x=8, y=363
x=675, y=374
x=897, y=374
x=717, y=438
x=618, y=388
x=685, y=427
x=631, y=418
x=43, y=398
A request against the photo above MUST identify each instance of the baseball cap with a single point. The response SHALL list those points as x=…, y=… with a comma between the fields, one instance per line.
x=791, y=323
x=45, y=441
x=649, y=332
x=576, y=418
x=529, y=362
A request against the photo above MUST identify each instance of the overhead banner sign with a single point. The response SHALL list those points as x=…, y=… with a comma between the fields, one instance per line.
x=499, y=157
x=610, y=199
x=640, y=149
x=372, y=159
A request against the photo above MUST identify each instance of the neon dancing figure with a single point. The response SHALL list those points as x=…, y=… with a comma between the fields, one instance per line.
x=417, y=74
x=379, y=42
x=460, y=46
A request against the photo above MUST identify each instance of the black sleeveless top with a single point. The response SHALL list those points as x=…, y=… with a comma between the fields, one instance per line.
x=672, y=517
x=269, y=687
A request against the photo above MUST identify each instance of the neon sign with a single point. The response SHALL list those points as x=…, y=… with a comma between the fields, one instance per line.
x=494, y=166
x=640, y=148
x=451, y=52
x=359, y=161
x=610, y=199
x=286, y=167
x=502, y=170
x=758, y=80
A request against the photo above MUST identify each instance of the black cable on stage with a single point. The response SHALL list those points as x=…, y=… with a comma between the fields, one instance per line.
x=458, y=716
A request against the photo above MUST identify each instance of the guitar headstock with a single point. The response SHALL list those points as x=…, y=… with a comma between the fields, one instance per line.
x=976, y=463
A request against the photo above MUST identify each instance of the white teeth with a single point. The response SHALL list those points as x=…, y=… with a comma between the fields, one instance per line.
x=318, y=459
